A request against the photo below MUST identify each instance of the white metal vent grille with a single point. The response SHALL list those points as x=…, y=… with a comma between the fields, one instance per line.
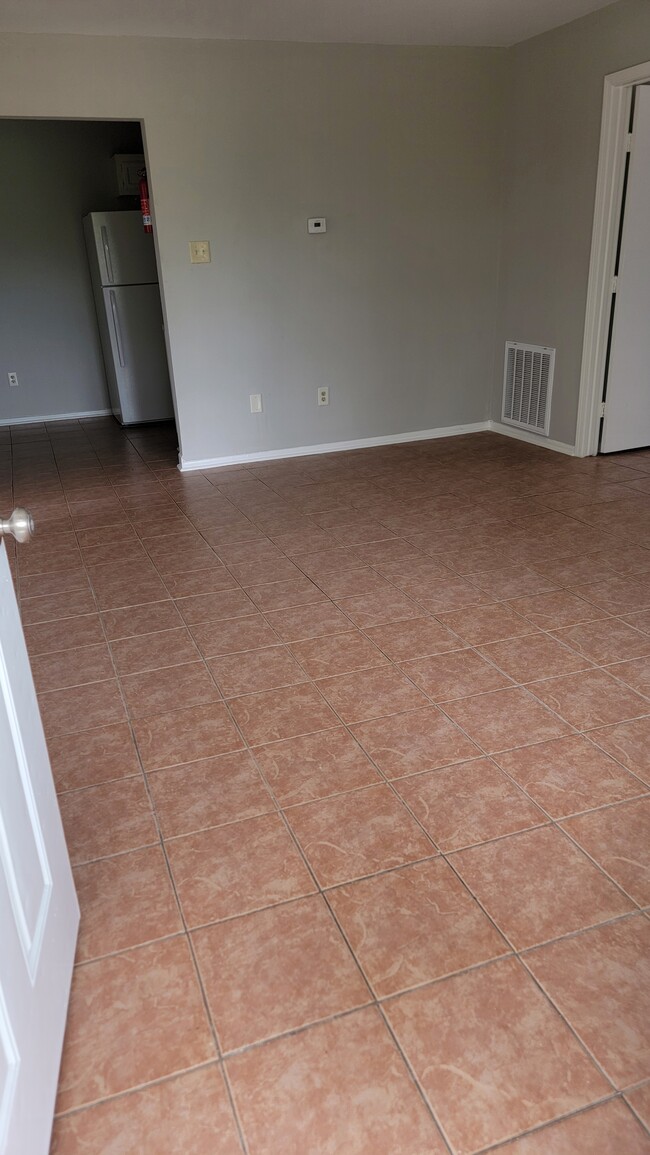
x=527, y=386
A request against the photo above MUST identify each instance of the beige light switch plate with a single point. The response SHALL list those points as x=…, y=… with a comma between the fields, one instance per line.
x=200, y=252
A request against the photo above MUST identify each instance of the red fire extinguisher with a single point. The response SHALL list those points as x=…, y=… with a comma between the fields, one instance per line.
x=144, y=202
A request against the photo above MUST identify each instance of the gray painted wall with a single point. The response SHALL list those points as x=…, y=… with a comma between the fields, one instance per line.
x=550, y=164
x=394, y=309
x=53, y=173
x=420, y=159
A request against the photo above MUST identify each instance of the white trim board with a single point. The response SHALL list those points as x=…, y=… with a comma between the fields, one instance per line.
x=369, y=442
x=55, y=417
x=609, y=188
x=532, y=438
x=333, y=446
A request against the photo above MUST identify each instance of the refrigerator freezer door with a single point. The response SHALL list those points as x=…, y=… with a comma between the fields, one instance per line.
x=137, y=355
x=125, y=253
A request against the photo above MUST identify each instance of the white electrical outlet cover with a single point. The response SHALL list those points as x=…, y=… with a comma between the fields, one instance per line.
x=317, y=225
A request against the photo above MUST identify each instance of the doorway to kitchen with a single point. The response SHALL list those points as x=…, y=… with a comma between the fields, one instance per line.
x=81, y=319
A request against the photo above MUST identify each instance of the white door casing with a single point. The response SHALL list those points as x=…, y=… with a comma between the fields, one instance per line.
x=618, y=87
x=39, y=913
x=626, y=423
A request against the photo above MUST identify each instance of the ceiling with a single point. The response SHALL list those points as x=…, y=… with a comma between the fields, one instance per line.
x=496, y=23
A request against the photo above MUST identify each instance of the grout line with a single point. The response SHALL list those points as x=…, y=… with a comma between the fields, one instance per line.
x=540, y=1128
x=637, y=1114
x=173, y=1075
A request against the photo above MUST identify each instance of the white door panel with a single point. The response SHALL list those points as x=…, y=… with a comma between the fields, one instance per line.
x=39, y=913
x=627, y=409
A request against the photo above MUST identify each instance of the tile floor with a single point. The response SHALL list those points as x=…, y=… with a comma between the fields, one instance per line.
x=353, y=755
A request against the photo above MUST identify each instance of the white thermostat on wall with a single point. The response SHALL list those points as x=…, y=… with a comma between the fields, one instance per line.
x=317, y=225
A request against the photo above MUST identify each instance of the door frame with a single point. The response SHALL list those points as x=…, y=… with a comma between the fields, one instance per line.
x=161, y=284
x=617, y=100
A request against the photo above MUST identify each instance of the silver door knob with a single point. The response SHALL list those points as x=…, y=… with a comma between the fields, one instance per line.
x=20, y=525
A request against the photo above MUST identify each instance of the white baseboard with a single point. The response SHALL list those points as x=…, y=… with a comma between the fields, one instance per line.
x=55, y=417
x=332, y=447
x=187, y=466
x=532, y=438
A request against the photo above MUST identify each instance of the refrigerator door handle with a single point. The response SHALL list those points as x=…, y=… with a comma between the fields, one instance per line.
x=116, y=326
x=107, y=254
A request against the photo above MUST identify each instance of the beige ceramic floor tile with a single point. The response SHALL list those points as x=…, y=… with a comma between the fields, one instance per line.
x=341, y=1086
x=600, y=980
x=469, y=803
x=314, y=766
x=357, y=833
x=537, y=886
x=504, y=719
x=107, y=819
x=417, y=740
x=412, y=925
x=605, y=1130
x=190, y=1112
x=276, y=970
x=568, y=775
x=284, y=713
x=133, y=1018
x=210, y=792
x=125, y=901
x=229, y=870
x=618, y=839
x=492, y=1055
x=93, y=756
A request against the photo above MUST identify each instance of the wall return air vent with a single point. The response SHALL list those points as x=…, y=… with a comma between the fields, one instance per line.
x=527, y=386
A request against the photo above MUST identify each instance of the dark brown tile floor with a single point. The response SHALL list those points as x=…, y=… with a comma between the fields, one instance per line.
x=353, y=756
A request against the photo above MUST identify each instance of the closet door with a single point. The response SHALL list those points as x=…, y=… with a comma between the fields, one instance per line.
x=626, y=424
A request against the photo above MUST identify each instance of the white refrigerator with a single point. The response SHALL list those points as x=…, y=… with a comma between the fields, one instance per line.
x=127, y=299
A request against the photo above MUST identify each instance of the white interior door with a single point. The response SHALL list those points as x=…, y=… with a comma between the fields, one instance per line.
x=627, y=403
x=39, y=913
